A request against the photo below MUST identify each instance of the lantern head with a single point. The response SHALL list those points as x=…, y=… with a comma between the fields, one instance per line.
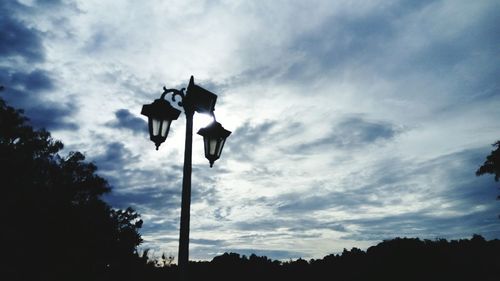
x=203, y=101
x=160, y=114
x=214, y=137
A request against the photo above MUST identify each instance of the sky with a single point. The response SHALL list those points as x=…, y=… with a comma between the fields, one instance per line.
x=352, y=121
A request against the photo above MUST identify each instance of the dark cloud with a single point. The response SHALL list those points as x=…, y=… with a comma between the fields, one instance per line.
x=204, y=193
x=262, y=172
x=352, y=132
x=222, y=213
x=340, y=41
x=24, y=90
x=18, y=40
x=424, y=225
x=378, y=43
x=465, y=190
x=349, y=200
x=161, y=202
x=449, y=177
x=210, y=242
x=468, y=207
x=156, y=192
x=295, y=225
x=245, y=139
x=458, y=184
x=124, y=177
x=442, y=53
x=24, y=87
x=42, y=114
x=115, y=157
x=153, y=199
x=24, y=82
x=333, y=226
x=97, y=41
x=155, y=228
x=357, y=131
x=34, y=81
x=52, y=116
x=126, y=120
x=266, y=224
x=48, y=3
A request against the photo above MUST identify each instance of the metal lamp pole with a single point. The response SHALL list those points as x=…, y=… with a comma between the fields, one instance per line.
x=186, y=196
x=160, y=115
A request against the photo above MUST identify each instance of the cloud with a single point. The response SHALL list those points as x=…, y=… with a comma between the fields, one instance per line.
x=350, y=133
x=449, y=203
x=247, y=138
x=210, y=242
x=115, y=157
x=42, y=114
x=25, y=90
x=396, y=39
x=348, y=200
x=153, y=200
x=302, y=224
x=53, y=116
x=126, y=120
x=26, y=86
x=148, y=189
x=18, y=40
x=424, y=225
x=222, y=213
x=154, y=192
x=35, y=81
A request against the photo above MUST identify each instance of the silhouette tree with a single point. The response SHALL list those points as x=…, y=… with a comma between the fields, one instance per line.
x=492, y=163
x=55, y=226
x=395, y=259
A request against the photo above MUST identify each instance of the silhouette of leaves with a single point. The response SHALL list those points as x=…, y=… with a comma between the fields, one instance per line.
x=51, y=205
x=492, y=163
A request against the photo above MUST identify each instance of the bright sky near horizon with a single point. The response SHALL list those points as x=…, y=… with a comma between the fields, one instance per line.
x=353, y=121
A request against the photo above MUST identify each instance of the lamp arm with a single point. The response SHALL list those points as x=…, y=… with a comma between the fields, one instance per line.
x=175, y=93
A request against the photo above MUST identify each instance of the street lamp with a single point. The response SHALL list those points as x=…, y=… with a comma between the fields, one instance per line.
x=160, y=115
x=214, y=137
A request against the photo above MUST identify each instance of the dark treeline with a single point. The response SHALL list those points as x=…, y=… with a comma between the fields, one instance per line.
x=396, y=259
x=54, y=223
x=55, y=226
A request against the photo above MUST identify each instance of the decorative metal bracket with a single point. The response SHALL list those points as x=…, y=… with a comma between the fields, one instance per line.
x=175, y=93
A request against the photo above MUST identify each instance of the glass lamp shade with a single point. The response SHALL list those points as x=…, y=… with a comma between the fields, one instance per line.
x=160, y=115
x=214, y=137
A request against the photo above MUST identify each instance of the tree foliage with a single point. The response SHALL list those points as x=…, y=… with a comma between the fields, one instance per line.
x=395, y=259
x=492, y=163
x=55, y=223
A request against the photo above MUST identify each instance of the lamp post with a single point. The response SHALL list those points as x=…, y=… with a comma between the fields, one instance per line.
x=160, y=115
